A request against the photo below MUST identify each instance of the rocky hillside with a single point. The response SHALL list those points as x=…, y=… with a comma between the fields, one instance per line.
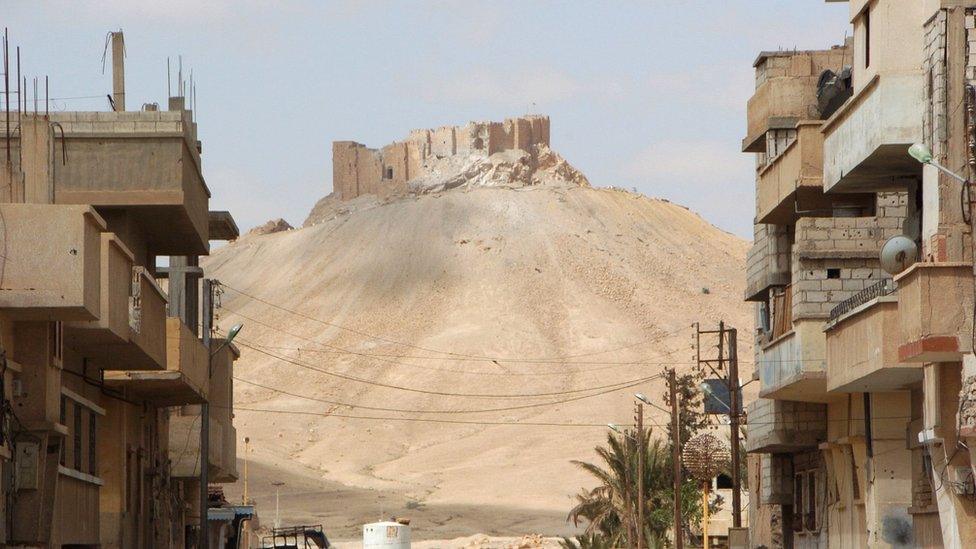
x=424, y=353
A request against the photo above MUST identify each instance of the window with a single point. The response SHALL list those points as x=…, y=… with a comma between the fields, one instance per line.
x=867, y=37
x=388, y=173
x=64, y=418
x=811, y=501
x=77, y=437
x=833, y=273
x=92, y=459
x=797, y=502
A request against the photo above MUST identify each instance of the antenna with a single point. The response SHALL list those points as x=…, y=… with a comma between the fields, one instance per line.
x=6, y=88
x=20, y=95
x=168, y=92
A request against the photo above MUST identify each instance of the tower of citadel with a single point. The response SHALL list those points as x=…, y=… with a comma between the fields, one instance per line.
x=358, y=170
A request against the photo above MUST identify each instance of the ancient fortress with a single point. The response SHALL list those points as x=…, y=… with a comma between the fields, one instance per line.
x=358, y=170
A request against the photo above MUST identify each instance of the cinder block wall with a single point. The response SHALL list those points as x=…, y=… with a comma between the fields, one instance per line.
x=836, y=257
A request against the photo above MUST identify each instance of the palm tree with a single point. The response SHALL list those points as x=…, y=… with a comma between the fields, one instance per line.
x=610, y=509
x=587, y=541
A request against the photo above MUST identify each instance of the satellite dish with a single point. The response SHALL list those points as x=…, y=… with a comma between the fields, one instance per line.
x=897, y=254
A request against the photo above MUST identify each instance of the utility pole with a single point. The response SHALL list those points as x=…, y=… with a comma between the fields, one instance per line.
x=734, y=426
x=640, y=475
x=676, y=459
x=205, y=415
x=727, y=353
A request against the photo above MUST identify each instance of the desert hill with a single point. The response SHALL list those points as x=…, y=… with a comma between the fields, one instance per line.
x=547, y=300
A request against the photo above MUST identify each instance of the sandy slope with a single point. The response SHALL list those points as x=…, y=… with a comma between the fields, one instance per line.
x=538, y=272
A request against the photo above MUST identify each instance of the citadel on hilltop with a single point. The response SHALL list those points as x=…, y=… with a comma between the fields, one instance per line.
x=358, y=170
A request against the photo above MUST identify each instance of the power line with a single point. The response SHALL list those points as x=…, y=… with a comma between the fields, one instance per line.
x=419, y=411
x=428, y=420
x=561, y=372
x=431, y=350
x=334, y=349
x=618, y=385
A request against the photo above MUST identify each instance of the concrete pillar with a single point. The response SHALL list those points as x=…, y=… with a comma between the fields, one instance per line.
x=38, y=159
x=118, y=70
x=888, y=487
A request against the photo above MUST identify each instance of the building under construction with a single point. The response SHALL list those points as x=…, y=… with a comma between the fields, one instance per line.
x=862, y=278
x=113, y=377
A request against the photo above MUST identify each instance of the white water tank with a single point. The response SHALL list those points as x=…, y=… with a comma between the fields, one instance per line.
x=386, y=535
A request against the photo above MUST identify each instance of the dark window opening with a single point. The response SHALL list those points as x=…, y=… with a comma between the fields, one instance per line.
x=723, y=481
x=388, y=174
x=833, y=273
x=77, y=437
x=92, y=460
x=811, y=501
x=64, y=418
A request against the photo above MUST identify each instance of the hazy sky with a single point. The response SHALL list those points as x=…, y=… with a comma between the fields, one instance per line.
x=641, y=94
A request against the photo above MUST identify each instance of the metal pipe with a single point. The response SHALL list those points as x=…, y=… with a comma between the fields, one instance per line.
x=6, y=88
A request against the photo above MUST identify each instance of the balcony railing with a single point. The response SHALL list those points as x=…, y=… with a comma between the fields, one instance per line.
x=184, y=381
x=50, y=262
x=793, y=180
x=145, y=161
x=862, y=346
x=866, y=141
x=935, y=301
x=883, y=288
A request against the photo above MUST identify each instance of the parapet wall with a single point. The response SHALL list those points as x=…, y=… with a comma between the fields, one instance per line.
x=359, y=170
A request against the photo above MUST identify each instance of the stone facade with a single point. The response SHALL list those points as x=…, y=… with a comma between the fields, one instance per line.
x=359, y=170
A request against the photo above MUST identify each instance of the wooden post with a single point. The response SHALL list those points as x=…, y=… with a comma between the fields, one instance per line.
x=734, y=406
x=676, y=458
x=705, y=515
x=640, y=475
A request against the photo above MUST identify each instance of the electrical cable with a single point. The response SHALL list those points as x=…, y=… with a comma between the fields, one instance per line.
x=444, y=393
x=431, y=350
x=420, y=411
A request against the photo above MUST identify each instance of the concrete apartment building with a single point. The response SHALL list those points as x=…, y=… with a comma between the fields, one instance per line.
x=104, y=359
x=861, y=436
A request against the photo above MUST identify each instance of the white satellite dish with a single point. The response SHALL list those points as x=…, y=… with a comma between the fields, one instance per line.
x=897, y=254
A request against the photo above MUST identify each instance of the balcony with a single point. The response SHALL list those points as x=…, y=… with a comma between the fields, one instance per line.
x=792, y=366
x=793, y=180
x=862, y=350
x=130, y=336
x=935, y=301
x=779, y=103
x=146, y=162
x=782, y=426
x=184, y=381
x=112, y=326
x=50, y=262
x=866, y=141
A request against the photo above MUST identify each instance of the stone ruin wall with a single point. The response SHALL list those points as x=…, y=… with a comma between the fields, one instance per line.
x=359, y=170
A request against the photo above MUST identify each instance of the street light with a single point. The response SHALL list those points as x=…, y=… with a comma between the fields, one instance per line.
x=923, y=154
x=205, y=414
x=277, y=484
x=231, y=334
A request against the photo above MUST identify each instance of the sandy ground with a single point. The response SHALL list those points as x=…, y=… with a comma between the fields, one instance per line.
x=487, y=291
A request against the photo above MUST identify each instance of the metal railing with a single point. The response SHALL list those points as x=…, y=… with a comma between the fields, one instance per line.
x=882, y=288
